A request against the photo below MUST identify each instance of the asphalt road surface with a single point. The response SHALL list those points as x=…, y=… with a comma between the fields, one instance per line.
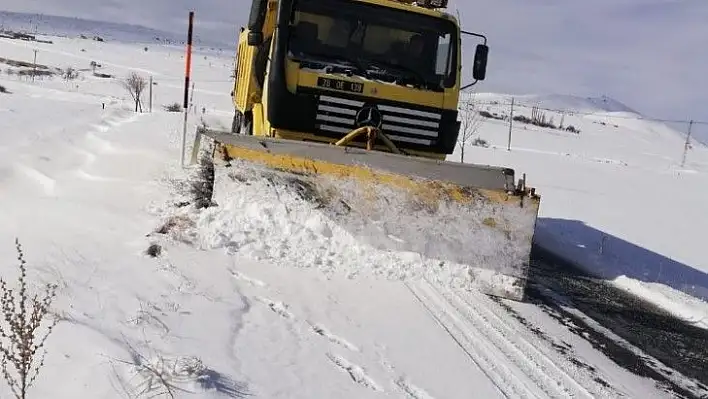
x=564, y=292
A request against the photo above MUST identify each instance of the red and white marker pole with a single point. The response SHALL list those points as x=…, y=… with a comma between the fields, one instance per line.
x=187, y=76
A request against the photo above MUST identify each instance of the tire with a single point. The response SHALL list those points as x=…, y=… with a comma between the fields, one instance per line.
x=242, y=124
x=236, y=123
x=247, y=127
x=261, y=62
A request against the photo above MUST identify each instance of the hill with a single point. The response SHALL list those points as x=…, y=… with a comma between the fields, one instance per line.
x=170, y=31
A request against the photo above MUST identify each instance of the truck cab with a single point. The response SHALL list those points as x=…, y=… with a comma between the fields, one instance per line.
x=314, y=70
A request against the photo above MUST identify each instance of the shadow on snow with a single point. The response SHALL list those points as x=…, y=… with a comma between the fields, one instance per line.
x=606, y=256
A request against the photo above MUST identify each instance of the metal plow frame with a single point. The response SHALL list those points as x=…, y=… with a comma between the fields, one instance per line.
x=428, y=179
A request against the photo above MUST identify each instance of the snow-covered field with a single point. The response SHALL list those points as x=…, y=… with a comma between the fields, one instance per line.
x=225, y=311
x=614, y=198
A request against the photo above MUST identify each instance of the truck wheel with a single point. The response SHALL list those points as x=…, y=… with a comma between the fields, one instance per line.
x=236, y=123
x=247, y=126
x=242, y=124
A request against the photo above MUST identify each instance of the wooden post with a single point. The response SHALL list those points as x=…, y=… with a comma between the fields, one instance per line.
x=150, y=101
x=511, y=122
x=34, y=66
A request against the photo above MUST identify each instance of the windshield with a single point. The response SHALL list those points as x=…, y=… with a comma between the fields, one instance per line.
x=374, y=41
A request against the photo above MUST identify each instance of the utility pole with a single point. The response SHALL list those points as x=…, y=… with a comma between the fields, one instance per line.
x=562, y=119
x=150, y=103
x=511, y=122
x=34, y=66
x=687, y=145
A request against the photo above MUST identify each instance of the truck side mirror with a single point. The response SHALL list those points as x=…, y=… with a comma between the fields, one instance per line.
x=256, y=19
x=479, y=71
x=255, y=38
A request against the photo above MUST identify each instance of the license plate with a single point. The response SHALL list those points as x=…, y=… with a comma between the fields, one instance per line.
x=341, y=85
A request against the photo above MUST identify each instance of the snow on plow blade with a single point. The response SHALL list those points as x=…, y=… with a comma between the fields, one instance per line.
x=473, y=215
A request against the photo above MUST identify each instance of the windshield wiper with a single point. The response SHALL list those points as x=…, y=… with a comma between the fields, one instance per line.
x=327, y=59
x=386, y=65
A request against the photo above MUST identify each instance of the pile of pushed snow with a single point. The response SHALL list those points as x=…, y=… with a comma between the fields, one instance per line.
x=332, y=226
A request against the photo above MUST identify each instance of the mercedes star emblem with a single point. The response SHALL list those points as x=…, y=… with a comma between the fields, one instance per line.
x=369, y=115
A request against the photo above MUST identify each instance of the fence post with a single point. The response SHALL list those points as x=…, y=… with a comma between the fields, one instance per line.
x=511, y=123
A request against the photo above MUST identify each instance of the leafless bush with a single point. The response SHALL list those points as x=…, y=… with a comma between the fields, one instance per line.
x=20, y=339
x=538, y=118
x=135, y=84
x=480, y=142
x=70, y=73
x=469, y=124
x=174, y=107
x=3, y=89
x=572, y=129
x=154, y=250
x=202, y=185
x=160, y=376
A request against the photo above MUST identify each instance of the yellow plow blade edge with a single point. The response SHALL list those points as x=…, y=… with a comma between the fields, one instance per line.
x=473, y=215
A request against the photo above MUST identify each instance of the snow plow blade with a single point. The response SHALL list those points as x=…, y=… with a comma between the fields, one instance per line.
x=473, y=216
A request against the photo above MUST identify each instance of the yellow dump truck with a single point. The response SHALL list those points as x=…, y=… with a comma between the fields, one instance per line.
x=367, y=91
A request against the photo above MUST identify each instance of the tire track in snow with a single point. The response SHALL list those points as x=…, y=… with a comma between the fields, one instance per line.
x=514, y=364
x=480, y=352
x=521, y=351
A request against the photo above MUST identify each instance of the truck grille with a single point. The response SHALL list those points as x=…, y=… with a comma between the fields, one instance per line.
x=403, y=125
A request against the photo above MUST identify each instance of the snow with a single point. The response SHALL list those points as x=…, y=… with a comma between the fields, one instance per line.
x=75, y=27
x=216, y=22
x=239, y=301
x=353, y=227
x=614, y=198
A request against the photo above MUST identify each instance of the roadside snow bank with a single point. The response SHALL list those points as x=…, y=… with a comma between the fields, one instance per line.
x=623, y=264
x=692, y=310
